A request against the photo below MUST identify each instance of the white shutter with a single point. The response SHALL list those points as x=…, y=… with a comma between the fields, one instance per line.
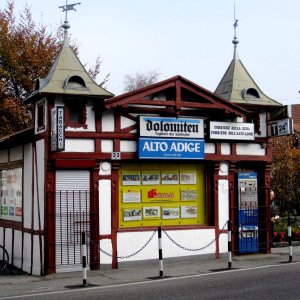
x=72, y=218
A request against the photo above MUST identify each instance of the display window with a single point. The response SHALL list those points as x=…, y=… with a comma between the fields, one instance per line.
x=161, y=195
x=11, y=194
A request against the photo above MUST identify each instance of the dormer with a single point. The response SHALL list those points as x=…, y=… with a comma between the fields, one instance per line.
x=250, y=94
x=75, y=82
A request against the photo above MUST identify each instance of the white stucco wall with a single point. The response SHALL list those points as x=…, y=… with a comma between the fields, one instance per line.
x=125, y=122
x=8, y=242
x=108, y=123
x=38, y=190
x=130, y=242
x=79, y=145
x=209, y=148
x=18, y=249
x=107, y=146
x=104, y=206
x=223, y=201
x=27, y=187
x=39, y=186
x=225, y=149
x=128, y=146
x=38, y=255
x=250, y=149
x=27, y=253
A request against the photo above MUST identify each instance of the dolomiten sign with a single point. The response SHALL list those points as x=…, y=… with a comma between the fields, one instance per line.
x=171, y=127
x=231, y=131
x=171, y=138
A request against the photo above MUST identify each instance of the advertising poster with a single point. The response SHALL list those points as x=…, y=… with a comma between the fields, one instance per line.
x=189, y=211
x=150, y=178
x=131, y=197
x=169, y=177
x=131, y=178
x=151, y=212
x=170, y=212
x=188, y=177
x=133, y=214
x=188, y=195
x=11, y=194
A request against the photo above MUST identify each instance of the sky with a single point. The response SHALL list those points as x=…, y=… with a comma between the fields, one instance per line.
x=191, y=38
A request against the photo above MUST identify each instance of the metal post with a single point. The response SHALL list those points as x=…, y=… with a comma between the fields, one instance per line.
x=229, y=244
x=161, y=266
x=84, y=282
x=290, y=239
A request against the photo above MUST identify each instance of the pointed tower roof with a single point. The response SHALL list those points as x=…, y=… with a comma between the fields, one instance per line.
x=238, y=86
x=67, y=75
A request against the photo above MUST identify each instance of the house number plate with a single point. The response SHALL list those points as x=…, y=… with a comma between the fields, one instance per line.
x=116, y=156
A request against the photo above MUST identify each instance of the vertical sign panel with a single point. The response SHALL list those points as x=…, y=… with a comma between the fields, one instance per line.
x=60, y=128
x=57, y=129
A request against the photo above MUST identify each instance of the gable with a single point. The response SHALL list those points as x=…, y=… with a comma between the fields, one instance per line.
x=175, y=96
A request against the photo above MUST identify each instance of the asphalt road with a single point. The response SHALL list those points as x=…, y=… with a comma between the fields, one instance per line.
x=280, y=281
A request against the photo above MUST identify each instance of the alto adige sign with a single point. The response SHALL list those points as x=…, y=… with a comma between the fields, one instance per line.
x=171, y=138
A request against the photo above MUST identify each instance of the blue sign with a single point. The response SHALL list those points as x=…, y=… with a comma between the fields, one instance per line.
x=247, y=175
x=248, y=212
x=171, y=148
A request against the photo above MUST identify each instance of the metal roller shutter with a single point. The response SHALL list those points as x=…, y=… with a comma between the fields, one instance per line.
x=72, y=218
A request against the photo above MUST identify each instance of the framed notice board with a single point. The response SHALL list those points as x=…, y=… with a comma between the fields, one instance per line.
x=161, y=194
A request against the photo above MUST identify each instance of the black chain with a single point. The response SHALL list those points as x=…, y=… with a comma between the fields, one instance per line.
x=197, y=249
x=133, y=254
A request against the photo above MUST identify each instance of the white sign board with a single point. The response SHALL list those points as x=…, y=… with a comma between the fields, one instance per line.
x=231, y=131
x=161, y=127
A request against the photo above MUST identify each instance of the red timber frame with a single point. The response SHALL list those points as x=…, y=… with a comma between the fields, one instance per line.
x=182, y=98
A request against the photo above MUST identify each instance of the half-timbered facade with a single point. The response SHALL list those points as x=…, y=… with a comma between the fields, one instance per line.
x=168, y=155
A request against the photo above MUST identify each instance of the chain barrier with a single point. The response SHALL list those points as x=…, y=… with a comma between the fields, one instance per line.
x=196, y=249
x=133, y=254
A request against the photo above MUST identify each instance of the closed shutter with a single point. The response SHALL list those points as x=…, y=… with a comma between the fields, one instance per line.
x=72, y=218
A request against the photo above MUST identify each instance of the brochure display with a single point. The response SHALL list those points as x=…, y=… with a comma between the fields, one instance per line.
x=159, y=195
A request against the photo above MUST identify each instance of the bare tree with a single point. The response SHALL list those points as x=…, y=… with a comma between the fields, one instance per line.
x=140, y=80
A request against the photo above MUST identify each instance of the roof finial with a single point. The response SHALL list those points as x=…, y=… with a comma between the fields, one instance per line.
x=66, y=25
x=235, y=40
